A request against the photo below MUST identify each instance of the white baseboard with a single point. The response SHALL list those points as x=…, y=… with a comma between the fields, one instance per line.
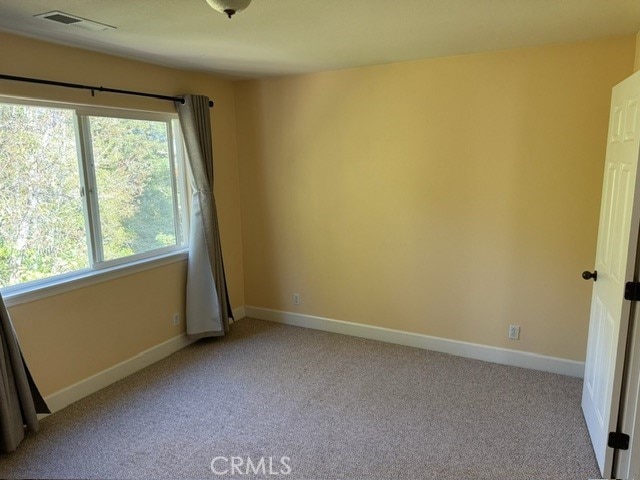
x=66, y=396
x=73, y=393
x=238, y=314
x=476, y=351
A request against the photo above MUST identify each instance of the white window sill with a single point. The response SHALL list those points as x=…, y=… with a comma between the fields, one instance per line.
x=24, y=294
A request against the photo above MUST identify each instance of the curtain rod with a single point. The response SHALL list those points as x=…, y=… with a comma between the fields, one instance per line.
x=94, y=88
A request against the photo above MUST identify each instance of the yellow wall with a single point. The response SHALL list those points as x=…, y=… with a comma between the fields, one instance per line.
x=69, y=337
x=449, y=197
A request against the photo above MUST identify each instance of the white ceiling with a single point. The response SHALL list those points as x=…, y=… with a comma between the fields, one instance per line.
x=292, y=36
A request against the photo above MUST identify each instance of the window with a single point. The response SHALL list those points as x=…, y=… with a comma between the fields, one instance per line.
x=84, y=189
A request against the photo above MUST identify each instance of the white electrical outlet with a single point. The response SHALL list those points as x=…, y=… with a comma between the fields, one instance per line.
x=176, y=319
x=514, y=332
x=296, y=299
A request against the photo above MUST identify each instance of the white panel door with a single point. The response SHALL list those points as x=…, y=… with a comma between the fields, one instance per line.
x=615, y=261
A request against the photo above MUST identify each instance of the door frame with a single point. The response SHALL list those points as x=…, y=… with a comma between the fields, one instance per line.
x=626, y=463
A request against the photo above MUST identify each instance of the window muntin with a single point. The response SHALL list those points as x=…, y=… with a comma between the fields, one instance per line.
x=86, y=188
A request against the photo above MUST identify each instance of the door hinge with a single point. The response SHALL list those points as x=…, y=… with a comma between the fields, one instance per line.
x=632, y=291
x=618, y=441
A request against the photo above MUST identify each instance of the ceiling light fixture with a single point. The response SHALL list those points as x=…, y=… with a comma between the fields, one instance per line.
x=229, y=7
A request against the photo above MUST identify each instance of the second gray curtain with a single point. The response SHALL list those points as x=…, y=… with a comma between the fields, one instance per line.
x=208, y=307
x=20, y=399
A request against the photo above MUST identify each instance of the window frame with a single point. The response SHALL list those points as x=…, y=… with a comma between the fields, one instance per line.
x=102, y=270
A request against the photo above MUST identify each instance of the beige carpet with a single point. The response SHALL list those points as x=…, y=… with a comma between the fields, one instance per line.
x=338, y=407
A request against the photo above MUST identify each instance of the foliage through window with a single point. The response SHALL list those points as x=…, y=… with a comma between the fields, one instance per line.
x=82, y=189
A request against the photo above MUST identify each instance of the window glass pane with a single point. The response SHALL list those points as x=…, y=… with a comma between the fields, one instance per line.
x=42, y=229
x=134, y=185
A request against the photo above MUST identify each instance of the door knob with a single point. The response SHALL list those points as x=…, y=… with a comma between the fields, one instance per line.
x=587, y=275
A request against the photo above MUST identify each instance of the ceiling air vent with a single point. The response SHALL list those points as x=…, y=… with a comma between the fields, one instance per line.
x=66, y=19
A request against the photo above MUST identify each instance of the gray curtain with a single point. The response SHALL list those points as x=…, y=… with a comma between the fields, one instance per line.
x=20, y=399
x=208, y=307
